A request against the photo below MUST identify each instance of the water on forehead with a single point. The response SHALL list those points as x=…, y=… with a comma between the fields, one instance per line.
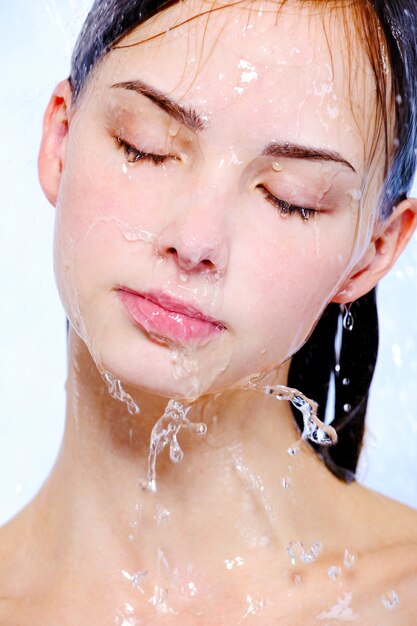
x=282, y=71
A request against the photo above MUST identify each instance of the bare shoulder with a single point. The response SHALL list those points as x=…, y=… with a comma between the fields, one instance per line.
x=388, y=566
x=15, y=596
x=392, y=521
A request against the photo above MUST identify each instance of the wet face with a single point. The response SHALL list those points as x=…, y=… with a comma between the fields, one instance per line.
x=209, y=206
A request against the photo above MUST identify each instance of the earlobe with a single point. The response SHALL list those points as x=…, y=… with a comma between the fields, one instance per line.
x=54, y=139
x=390, y=239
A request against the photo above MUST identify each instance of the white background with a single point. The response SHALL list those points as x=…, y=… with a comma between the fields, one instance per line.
x=37, y=39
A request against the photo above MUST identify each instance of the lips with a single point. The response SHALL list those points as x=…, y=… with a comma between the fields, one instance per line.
x=163, y=315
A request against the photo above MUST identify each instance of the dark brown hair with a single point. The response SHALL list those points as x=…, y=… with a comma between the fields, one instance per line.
x=388, y=31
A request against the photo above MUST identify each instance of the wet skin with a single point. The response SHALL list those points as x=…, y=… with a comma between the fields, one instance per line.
x=218, y=226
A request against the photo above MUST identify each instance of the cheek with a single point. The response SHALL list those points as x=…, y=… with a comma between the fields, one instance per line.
x=290, y=277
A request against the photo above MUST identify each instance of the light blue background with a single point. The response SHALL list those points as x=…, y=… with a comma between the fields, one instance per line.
x=37, y=38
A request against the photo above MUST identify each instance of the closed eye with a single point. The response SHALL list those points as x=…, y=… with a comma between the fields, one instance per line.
x=133, y=155
x=286, y=208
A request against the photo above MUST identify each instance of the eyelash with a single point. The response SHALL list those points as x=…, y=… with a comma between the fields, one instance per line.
x=158, y=159
x=286, y=208
x=138, y=155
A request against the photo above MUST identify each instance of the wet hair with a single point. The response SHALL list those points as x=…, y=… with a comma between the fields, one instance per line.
x=388, y=30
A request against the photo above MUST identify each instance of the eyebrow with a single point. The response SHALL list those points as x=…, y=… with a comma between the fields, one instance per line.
x=186, y=115
x=297, y=151
x=190, y=118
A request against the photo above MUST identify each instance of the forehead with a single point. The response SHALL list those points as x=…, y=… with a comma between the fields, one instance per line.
x=281, y=72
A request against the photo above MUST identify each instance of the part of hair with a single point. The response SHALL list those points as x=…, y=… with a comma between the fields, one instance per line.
x=388, y=31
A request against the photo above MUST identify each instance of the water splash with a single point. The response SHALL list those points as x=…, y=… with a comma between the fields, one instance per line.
x=390, y=600
x=165, y=433
x=117, y=392
x=314, y=429
x=298, y=553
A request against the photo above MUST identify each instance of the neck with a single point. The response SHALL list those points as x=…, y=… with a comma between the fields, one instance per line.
x=236, y=497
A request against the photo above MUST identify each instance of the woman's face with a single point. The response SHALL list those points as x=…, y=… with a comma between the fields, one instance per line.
x=188, y=272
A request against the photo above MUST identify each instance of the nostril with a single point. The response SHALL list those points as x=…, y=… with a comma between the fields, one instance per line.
x=172, y=250
x=207, y=263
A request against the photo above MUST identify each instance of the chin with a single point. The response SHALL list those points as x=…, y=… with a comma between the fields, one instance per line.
x=146, y=364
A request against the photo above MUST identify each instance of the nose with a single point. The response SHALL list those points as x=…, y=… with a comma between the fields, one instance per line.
x=195, y=241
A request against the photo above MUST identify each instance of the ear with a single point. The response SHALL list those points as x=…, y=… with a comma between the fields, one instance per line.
x=51, y=157
x=389, y=240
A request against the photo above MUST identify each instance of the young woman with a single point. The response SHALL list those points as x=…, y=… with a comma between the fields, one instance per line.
x=230, y=182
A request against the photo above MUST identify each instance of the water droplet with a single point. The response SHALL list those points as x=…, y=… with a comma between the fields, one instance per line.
x=346, y=382
x=349, y=559
x=293, y=451
x=286, y=482
x=233, y=563
x=348, y=319
x=175, y=453
x=347, y=408
x=184, y=278
x=255, y=606
x=162, y=515
x=337, y=368
x=136, y=579
x=298, y=553
x=334, y=572
x=134, y=524
x=159, y=600
x=390, y=600
x=201, y=429
x=277, y=167
x=126, y=616
x=192, y=588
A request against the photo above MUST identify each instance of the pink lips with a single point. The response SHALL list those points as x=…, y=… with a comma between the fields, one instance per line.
x=161, y=314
